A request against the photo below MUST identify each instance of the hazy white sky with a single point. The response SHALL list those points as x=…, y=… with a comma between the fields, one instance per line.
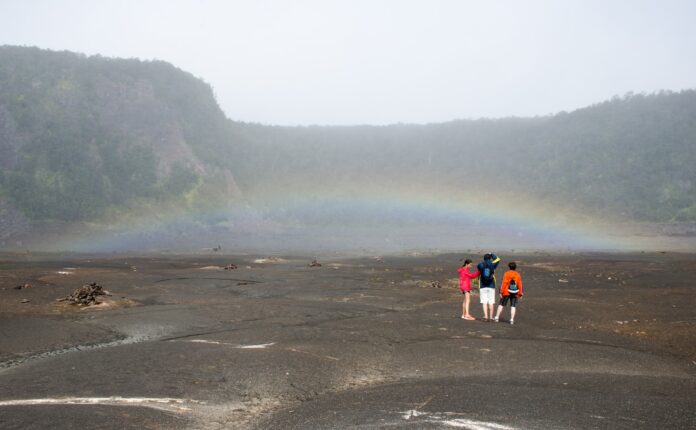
x=377, y=62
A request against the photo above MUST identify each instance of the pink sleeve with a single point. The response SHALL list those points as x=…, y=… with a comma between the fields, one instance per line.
x=472, y=275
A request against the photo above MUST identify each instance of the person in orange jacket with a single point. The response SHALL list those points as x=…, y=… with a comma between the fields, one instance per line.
x=510, y=290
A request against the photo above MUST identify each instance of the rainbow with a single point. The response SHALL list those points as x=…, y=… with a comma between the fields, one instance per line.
x=466, y=210
x=409, y=215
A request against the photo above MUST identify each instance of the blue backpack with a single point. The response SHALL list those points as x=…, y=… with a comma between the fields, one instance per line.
x=512, y=288
x=487, y=273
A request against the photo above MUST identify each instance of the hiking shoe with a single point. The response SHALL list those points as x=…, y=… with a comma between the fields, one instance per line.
x=495, y=319
x=512, y=322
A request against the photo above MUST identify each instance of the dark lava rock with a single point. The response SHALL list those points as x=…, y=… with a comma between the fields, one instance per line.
x=86, y=295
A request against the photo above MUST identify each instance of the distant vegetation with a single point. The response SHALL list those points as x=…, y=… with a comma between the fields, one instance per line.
x=82, y=137
x=633, y=157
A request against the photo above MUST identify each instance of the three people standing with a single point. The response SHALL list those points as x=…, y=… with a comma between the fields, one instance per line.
x=511, y=288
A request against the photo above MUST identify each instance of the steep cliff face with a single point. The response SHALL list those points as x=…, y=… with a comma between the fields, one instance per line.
x=82, y=135
x=133, y=109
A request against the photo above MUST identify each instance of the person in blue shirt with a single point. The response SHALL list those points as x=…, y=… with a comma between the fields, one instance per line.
x=486, y=269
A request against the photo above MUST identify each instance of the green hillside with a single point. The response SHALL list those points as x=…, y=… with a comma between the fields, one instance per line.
x=632, y=157
x=84, y=137
x=80, y=135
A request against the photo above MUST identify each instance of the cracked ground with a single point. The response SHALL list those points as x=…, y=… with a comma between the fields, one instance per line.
x=601, y=341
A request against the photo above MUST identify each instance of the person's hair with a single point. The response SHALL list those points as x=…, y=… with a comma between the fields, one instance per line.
x=512, y=265
x=467, y=261
x=487, y=256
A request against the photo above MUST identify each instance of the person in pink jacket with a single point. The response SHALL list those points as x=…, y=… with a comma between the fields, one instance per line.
x=465, y=277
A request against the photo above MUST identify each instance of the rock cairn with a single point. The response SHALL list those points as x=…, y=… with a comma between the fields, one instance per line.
x=86, y=295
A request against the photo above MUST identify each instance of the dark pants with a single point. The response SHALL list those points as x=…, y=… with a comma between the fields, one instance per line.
x=512, y=298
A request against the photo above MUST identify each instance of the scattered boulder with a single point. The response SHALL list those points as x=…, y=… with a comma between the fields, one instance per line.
x=86, y=295
x=230, y=266
x=25, y=301
x=314, y=263
x=22, y=287
x=436, y=284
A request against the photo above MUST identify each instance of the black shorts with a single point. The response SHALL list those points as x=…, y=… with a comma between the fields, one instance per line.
x=512, y=298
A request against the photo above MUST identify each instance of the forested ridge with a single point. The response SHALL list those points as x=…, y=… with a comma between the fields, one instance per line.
x=84, y=137
x=81, y=135
x=632, y=157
